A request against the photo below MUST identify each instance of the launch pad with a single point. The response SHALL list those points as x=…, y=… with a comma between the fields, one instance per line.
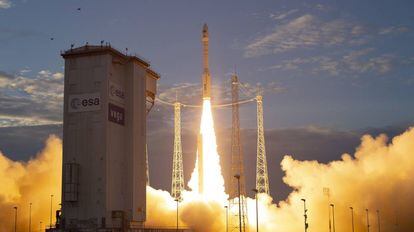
x=108, y=95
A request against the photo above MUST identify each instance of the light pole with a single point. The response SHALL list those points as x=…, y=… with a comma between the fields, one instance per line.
x=50, y=218
x=326, y=191
x=40, y=226
x=305, y=215
x=30, y=216
x=333, y=216
x=15, y=218
x=257, y=209
x=227, y=218
x=177, y=200
x=237, y=176
x=352, y=218
x=366, y=210
x=378, y=221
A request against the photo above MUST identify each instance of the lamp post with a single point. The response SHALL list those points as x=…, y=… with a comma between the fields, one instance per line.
x=305, y=215
x=227, y=218
x=50, y=218
x=333, y=216
x=15, y=218
x=327, y=193
x=257, y=209
x=177, y=200
x=30, y=216
x=352, y=218
x=237, y=176
x=40, y=226
x=378, y=221
x=366, y=210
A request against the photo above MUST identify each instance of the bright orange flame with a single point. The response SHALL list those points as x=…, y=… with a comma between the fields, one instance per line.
x=212, y=179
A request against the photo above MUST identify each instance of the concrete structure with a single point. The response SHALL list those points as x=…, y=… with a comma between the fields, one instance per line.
x=107, y=97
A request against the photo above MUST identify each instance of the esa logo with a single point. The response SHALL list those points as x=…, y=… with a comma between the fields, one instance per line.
x=76, y=102
x=84, y=102
x=117, y=92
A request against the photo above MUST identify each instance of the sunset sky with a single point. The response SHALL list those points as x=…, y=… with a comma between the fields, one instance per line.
x=330, y=70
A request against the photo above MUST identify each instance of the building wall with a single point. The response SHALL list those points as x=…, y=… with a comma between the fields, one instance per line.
x=110, y=151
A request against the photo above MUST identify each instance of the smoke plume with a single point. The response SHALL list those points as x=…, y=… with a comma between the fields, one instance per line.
x=33, y=182
x=379, y=176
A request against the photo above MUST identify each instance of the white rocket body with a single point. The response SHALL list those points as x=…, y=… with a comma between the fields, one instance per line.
x=206, y=79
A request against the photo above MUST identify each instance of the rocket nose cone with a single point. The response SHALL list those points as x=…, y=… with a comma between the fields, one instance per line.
x=205, y=29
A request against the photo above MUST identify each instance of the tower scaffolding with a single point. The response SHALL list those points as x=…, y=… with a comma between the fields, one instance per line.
x=238, y=210
x=262, y=179
x=177, y=185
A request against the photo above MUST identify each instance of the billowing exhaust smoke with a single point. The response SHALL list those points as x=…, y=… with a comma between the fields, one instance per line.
x=379, y=176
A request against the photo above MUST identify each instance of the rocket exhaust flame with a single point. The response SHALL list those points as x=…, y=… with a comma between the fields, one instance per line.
x=207, y=178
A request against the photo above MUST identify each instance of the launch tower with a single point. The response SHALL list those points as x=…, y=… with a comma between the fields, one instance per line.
x=238, y=218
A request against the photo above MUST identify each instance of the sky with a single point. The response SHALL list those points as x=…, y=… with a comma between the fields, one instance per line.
x=330, y=70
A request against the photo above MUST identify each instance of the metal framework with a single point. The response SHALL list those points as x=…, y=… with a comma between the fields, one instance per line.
x=177, y=185
x=238, y=209
x=262, y=179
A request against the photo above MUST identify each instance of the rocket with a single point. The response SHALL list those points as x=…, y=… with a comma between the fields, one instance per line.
x=206, y=79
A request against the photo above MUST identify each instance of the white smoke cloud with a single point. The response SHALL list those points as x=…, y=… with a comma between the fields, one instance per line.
x=379, y=176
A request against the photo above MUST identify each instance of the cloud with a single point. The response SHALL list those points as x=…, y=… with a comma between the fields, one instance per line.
x=354, y=62
x=33, y=137
x=4, y=4
x=31, y=100
x=306, y=31
x=281, y=16
x=393, y=29
x=30, y=182
x=376, y=160
x=310, y=32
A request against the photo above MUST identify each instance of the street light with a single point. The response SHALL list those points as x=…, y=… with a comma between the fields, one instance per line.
x=326, y=191
x=333, y=216
x=237, y=176
x=305, y=215
x=15, y=218
x=50, y=218
x=40, y=226
x=177, y=200
x=227, y=218
x=366, y=210
x=30, y=216
x=352, y=218
x=378, y=220
x=257, y=209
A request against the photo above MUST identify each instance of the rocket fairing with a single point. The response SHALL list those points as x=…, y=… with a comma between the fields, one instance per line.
x=206, y=79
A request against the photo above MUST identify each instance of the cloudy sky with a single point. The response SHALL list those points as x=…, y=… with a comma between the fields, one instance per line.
x=330, y=70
